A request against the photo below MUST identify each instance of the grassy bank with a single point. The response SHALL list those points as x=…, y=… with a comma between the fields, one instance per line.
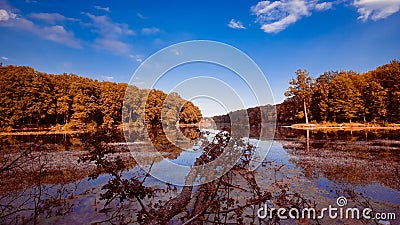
x=344, y=126
x=42, y=132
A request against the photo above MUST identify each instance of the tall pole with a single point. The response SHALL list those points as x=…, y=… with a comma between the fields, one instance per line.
x=308, y=140
x=305, y=111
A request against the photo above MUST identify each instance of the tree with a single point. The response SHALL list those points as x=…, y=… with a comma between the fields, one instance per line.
x=388, y=77
x=320, y=96
x=38, y=99
x=299, y=93
x=374, y=97
x=154, y=106
x=190, y=114
x=345, y=98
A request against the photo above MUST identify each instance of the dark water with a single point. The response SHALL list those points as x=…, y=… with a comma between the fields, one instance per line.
x=320, y=165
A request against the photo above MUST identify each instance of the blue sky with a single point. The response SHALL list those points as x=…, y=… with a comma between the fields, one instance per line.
x=107, y=40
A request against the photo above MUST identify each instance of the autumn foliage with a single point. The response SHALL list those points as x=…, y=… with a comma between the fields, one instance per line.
x=344, y=96
x=32, y=99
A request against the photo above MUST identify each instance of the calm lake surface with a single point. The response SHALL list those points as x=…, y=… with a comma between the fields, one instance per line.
x=47, y=184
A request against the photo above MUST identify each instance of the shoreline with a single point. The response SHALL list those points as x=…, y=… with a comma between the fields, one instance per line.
x=298, y=126
x=42, y=132
x=344, y=126
x=50, y=131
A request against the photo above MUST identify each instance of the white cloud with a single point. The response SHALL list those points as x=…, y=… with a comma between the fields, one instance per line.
x=59, y=34
x=150, y=30
x=275, y=16
x=323, y=6
x=6, y=15
x=4, y=58
x=51, y=18
x=54, y=33
x=110, y=34
x=279, y=25
x=111, y=45
x=376, y=9
x=137, y=58
x=236, y=24
x=104, y=26
x=106, y=9
x=278, y=15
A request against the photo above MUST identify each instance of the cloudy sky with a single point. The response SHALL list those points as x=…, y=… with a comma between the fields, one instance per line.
x=107, y=40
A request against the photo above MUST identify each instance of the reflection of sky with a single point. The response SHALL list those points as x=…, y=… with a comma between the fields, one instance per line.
x=187, y=158
x=170, y=173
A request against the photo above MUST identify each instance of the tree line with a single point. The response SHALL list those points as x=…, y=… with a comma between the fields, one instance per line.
x=344, y=96
x=334, y=96
x=29, y=98
x=252, y=116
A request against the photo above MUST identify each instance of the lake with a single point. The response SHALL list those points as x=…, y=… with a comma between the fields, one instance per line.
x=93, y=178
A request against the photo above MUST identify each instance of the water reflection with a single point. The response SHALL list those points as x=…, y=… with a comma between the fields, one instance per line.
x=358, y=157
x=46, y=184
x=232, y=198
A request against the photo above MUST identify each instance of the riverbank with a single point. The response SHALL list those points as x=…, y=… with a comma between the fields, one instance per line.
x=43, y=132
x=344, y=126
x=66, y=130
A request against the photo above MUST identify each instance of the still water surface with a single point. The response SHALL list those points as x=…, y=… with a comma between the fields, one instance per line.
x=320, y=165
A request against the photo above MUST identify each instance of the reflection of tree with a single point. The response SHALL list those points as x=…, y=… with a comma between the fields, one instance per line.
x=190, y=132
x=30, y=189
x=231, y=198
x=39, y=179
x=350, y=157
x=161, y=143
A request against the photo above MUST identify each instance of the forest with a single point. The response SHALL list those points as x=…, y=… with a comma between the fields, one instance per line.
x=256, y=115
x=31, y=99
x=344, y=96
x=334, y=96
